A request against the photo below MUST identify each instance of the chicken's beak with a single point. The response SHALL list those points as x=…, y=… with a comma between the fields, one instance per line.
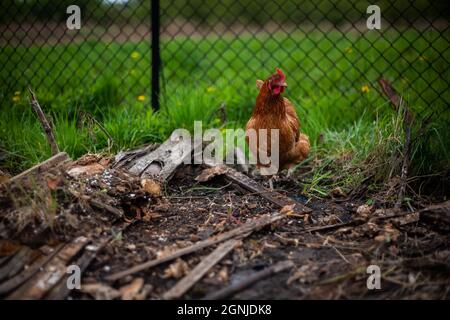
x=282, y=84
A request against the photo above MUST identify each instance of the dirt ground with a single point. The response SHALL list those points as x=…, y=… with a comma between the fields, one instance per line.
x=331, y=247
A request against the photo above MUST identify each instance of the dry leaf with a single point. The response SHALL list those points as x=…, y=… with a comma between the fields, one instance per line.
x=210, y=173
x=88, y=170
x=100, y=291
x=52, y=182
x=150, y=215
x=176, y=270
x=8, y=247
x=222, y=276
x=131, y=290
x=152, y=187
x=364, y=210
x=337, y=193
x=4, y=177
x=288, y=209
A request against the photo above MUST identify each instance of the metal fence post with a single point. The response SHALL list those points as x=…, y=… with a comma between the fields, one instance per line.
x=156, y=58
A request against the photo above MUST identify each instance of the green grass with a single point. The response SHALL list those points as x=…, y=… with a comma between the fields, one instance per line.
x=325, y=73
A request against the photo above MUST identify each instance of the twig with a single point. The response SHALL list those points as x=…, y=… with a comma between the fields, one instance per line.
x=396, y=102
x=239, y=286
x=43, y=120
x=201, y=269
x=102, y=128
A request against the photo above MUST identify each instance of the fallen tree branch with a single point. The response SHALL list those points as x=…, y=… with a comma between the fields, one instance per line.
x=44, y=122
x=247, y=282
x=246, y=182
x=201, y=269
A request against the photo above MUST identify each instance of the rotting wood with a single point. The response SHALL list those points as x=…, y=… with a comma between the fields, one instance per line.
x=52, y=162
x=44, y=122
x=25, y=275
x=201, y=269
x=397, y=102
x=253, y=186
x=162, y=162
x=51, y=274
x=61, y=291
x=250, y=280
x=124, y=158
x=17, y=263
x=247, y=228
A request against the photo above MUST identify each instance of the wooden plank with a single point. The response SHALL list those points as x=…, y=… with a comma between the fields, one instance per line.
x=201, y=269
x=16, y=264
x=245, y=229
x=42, y=167
x=26, y=274
x=51, y=274
x=250, y=280
x=61, y=291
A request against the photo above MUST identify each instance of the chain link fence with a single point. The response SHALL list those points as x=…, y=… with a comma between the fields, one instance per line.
x=324, y=47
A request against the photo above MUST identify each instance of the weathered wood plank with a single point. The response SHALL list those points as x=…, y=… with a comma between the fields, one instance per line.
x=163, y=161
x=41, y=167
x=51, y=274
x=16, y=264
x=201, y=269
x=26, y=274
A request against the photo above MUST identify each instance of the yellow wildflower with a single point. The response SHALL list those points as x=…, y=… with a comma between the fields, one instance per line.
x=17, y=93
x=210, y=89
x=365, y=88
x=135, y=55
x=15, y=99
x=141, y=97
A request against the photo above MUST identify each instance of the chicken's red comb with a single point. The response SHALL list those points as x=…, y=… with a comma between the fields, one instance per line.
x=281, y=74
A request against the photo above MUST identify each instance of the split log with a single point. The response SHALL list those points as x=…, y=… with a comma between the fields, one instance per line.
x=243, y=230
x=201, y=269
x=162, y=162
x=247, y=282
